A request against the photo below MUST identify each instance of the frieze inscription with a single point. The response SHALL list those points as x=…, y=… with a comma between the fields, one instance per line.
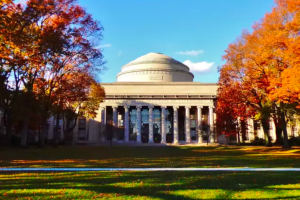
x=156, y=77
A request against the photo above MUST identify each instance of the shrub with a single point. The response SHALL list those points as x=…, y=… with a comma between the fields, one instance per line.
x=294, y=141
x=258, y=141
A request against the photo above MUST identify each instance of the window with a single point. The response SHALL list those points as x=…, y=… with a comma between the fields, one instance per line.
x=156, y=121
x=132, y=124
x=270, y=126
x=81, y=124
x=81, y=129
x=256, y=125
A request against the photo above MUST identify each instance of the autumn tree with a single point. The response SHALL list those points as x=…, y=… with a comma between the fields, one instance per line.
x=241, y=94
x=80, y=55
x=14, y=40
x=269, y=57
x=82, y=99
x=231, y=110
x=43, y=41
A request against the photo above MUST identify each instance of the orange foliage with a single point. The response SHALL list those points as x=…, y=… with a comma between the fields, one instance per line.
x=262, y=67
x=49, y=49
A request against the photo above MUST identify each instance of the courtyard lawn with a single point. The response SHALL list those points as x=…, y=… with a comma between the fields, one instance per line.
x=150, y=156
x=150, y=185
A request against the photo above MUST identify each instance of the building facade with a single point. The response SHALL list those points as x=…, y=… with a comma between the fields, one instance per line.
x=156, y=101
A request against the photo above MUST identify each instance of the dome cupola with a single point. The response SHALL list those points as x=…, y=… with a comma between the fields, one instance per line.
x=155, y=67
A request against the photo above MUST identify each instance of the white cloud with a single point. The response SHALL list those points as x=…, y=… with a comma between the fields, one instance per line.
x=120, y=53
x=199, y=66
x=190, y=53
x=22, y=2
x=103, y=46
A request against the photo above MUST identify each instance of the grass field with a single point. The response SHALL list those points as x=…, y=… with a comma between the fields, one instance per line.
x=150, y=185
x=147, y=156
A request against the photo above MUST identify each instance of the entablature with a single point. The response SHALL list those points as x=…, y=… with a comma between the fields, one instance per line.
x=161, y=96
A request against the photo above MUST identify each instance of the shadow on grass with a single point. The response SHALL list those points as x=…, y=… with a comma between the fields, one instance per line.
x=158, y=185
x=150, y=156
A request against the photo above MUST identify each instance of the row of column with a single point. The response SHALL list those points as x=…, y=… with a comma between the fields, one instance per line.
x=163, y=122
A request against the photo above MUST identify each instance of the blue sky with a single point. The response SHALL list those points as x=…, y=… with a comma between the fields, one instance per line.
x=192, y=31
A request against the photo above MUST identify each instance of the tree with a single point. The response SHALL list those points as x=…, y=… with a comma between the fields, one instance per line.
x=81, y=98
x=43, y=41
x=265, y=59
x=241, y=93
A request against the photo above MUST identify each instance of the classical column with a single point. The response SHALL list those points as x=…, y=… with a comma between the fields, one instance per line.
x=187, y=125
x=103, y=123
x=199, y=125
x=115, y=122
x=251, y=129
x=150, y=124
x=163, y=124
x=211, y=123
x=239, y=137
x=139, y=130
x=175, y=124
x=126, y=125
x=89, y=134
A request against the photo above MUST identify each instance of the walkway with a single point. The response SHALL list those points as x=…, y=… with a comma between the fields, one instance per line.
x=245, y=169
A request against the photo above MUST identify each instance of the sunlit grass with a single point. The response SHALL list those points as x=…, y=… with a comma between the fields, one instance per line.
x=229, y=194
x=150, y=185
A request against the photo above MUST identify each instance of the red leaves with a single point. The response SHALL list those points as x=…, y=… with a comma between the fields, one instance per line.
x=263, y=67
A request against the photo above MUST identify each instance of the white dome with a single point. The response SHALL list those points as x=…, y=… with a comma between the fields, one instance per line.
x=155, y=67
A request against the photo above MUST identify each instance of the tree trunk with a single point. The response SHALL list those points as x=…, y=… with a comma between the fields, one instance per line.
x=42, y=134
x=266, y=132
x=278, y=135
x=56, y=133
x=238, y=132
x=207, y=140
x=44, y=127
x=278, y=129
x=8, y=131
x=243, y=130
x=285, y=135
x=24, y=132
x=238, y=137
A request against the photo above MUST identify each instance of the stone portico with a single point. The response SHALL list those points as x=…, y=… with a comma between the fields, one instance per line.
x=156, y=101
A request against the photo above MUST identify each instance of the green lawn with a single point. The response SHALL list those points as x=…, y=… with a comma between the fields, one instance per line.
x=150, y=185
x=146, y=156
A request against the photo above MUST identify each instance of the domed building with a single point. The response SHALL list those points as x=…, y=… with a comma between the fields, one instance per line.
x=155, y=100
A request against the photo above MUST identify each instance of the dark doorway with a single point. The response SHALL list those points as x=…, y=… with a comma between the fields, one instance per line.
x=181, y=123
x=169, y=125
x=132, y=124
x=109, y=123
x=193, y=123
x=120, y=129
x=157, y=124
x=145, y=124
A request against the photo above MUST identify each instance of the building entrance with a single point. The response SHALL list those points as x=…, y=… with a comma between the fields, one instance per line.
x=145, y=125
x=169, y=125
x=181, y=123
x=132, y=124
x=157, y=125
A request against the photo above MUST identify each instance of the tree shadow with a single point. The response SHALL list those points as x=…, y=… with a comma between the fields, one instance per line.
x=148, y=156
x=162, y=185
